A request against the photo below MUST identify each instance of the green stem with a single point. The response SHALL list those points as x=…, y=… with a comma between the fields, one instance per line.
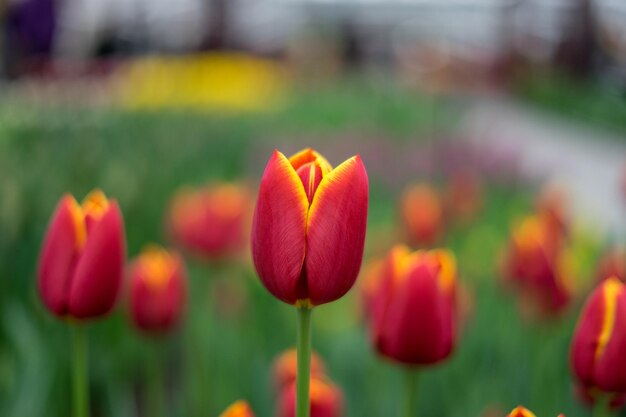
x=602, y=407
x=79, y=377
x=156, y=383
x=304, y=362
x=410, y=394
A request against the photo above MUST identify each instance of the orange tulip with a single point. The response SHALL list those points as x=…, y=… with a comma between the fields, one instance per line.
x=309, y=224
x=238, y=409
x=613, y=264
x=421, y=210
x=326, y=400
x=414, y=313
x=286, y=368
x=157, y=290
x=210, y=222
x=538, y=266
x=82, y=257
x=597, y=349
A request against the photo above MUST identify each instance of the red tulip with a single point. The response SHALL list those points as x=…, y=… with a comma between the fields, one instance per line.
x=82, y=257
x=238, y=409
x=210, y=222
x=326, y=400
x=157, y=290
x=309, y=224
x=286, y=368
x=414, y=313
x=613, y=264
x=538, y=265
x=597, y=349
x=421, y=210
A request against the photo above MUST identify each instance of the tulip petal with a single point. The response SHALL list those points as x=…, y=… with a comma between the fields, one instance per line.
x=336, y=232
x=98, y=274
x=59, y=253
x=309, y=155
x=610, y=367
x=279, y=229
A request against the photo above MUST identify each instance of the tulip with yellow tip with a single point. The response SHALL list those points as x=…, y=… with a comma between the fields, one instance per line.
x=308, y=236
x=80, y=272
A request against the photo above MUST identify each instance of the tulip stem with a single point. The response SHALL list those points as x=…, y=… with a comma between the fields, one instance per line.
x=304, y=362
x=156, y=383
x=410, y=395
x=80, y=388
x=602, y=406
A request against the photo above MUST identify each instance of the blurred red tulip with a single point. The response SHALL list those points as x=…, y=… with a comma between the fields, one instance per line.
x=464, y=196
x=210, y=222
x=538, y=266
x=326, y=400
x=158, y=282
x=421, y=210
x=286, y=368
x=82, y=257
x=597, y=349
x=238, y=409
x=414, y=313
x=613, y=264
x=309, y=224
x=520, y=411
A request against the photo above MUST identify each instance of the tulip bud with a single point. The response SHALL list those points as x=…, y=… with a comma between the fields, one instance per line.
x=326, y=400
x=238, y=409
x=597, y=349
x=157, y=290
x=538, y=266
x=613, y=264
x=414, y=313
x=309, y=224
x=421, y=210
x=210, y=222
x=82, y=257
x=286, y=368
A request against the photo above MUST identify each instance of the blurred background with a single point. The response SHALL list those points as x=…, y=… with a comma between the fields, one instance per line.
x=501, y=108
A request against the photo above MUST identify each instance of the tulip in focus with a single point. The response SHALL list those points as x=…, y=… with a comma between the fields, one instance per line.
x=157, y=290
x=326, y=400
x=613, y=264
x=286, y=368
x=210, y=222
x=422, y=213
x=539, y=267
x=414, y=313
x=238, y=409
x=309, y=224
x=82, y=257
x=597, y=350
